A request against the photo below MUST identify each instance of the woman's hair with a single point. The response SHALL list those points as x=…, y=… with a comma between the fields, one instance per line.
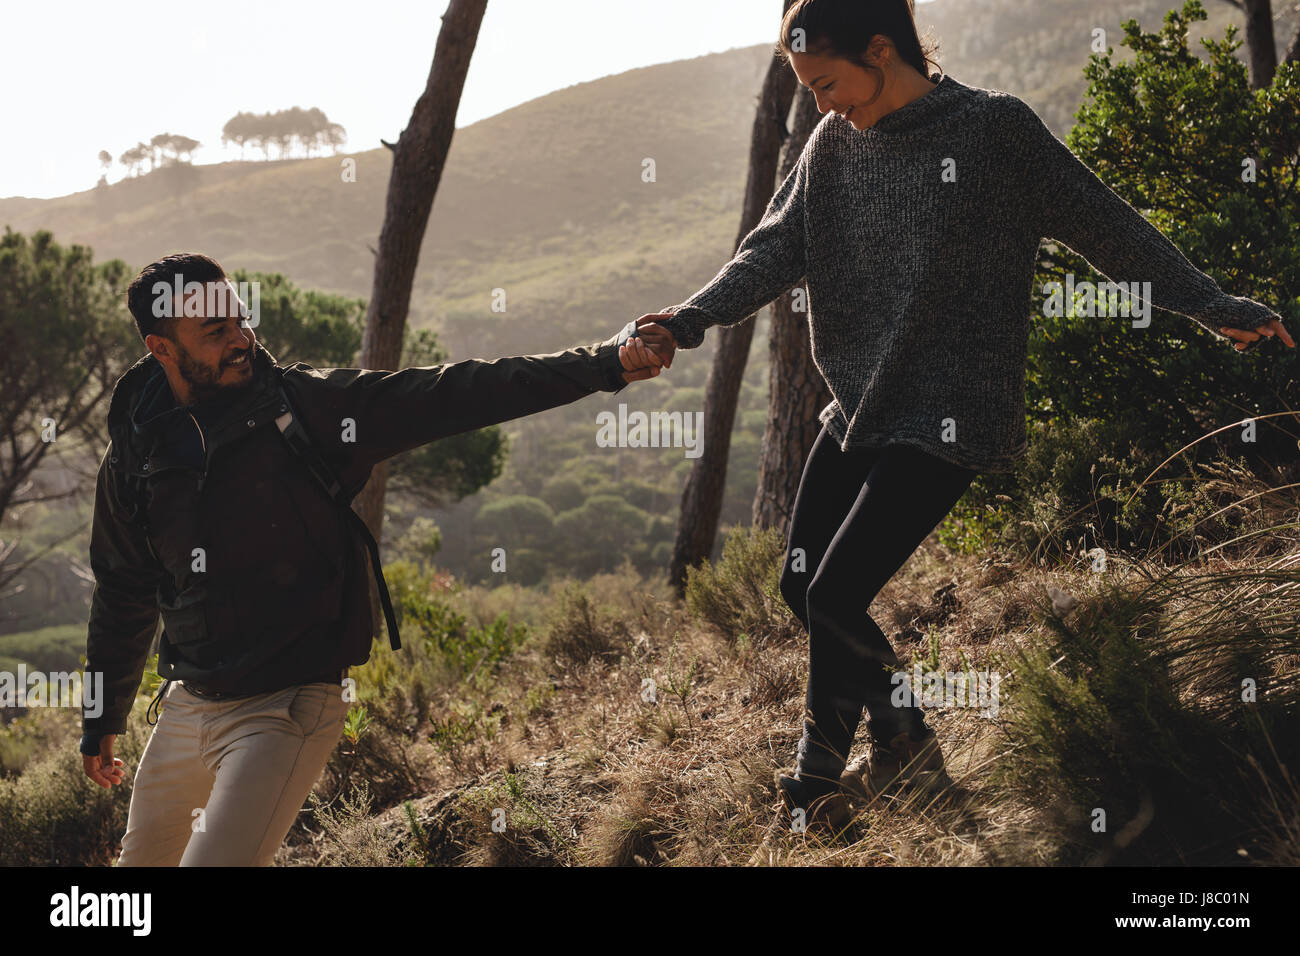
x=845, y=28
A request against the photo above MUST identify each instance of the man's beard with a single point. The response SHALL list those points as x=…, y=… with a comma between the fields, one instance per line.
x=204, y=383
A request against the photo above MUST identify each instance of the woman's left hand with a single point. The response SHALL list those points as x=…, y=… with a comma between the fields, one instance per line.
x=1244, y=337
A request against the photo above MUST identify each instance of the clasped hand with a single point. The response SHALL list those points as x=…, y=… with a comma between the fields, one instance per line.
x=649, y=351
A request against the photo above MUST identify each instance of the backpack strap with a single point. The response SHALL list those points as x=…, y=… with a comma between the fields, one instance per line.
x=301, y=444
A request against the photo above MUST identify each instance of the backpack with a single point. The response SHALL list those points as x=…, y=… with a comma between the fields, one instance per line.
x=299, y=442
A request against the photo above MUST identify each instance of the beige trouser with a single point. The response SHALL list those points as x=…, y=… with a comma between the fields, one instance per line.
x=221, y=781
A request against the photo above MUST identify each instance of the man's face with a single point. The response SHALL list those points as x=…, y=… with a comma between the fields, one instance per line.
x=213, y=351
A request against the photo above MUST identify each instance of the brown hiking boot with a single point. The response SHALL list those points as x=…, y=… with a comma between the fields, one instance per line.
x=822, y=811
x=827, y=815
x=903, y=762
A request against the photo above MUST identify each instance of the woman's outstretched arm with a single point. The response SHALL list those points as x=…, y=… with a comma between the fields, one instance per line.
x=769, y=261
x=1072, y=205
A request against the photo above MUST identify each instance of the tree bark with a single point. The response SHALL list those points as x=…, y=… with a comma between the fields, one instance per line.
x=697, y=527
x=1261, y=49
x=419, y=156
x=796, y=390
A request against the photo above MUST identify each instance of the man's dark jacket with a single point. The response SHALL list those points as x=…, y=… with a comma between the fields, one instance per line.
x=279, y=591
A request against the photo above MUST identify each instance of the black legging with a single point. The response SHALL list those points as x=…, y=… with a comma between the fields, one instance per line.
x=858, y=516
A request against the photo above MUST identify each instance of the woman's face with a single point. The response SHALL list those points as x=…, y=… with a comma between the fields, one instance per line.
x=839, y=86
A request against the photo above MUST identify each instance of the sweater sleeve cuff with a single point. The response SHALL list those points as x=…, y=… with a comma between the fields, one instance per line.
x=687, y=324
x=90, y=744
x=1235, y=312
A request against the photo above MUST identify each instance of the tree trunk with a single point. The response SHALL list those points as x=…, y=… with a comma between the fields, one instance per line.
x=419, y=156
x=796, y=390
x=697, y=527
x=1293, y=51
x=1261, y=52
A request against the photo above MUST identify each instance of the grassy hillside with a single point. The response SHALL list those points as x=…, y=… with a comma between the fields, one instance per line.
x=521, y=195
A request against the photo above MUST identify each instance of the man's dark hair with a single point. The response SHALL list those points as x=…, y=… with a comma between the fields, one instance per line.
x=191, y=266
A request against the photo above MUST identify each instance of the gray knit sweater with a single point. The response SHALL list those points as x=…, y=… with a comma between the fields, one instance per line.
x=918, y=239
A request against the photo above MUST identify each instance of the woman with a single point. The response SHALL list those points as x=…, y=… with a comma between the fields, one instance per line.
x=915, y=212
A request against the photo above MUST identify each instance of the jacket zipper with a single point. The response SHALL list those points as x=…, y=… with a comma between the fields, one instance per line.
x=204, y=445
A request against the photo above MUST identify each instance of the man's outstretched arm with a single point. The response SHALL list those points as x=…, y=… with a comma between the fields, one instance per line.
x=366, y=416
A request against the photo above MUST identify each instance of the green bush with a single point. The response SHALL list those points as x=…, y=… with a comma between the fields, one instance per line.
x=604, y=525
x=35, y=732
x=483, y=649
x=1173, y=381
x=418, y=607
x=51, y=814
x=447, y=640
x=741, y=593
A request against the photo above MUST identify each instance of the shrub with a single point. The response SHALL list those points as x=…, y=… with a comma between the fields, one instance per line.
x=1136, y=706
x=52, y=814
x=741, y=593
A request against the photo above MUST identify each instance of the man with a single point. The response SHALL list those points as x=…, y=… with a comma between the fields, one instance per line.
x=203, y=513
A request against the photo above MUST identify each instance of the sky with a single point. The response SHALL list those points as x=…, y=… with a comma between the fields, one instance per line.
x=84, y=76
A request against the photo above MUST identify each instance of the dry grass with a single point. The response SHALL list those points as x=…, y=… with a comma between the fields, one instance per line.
x=600, y=775
x=632, y=729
